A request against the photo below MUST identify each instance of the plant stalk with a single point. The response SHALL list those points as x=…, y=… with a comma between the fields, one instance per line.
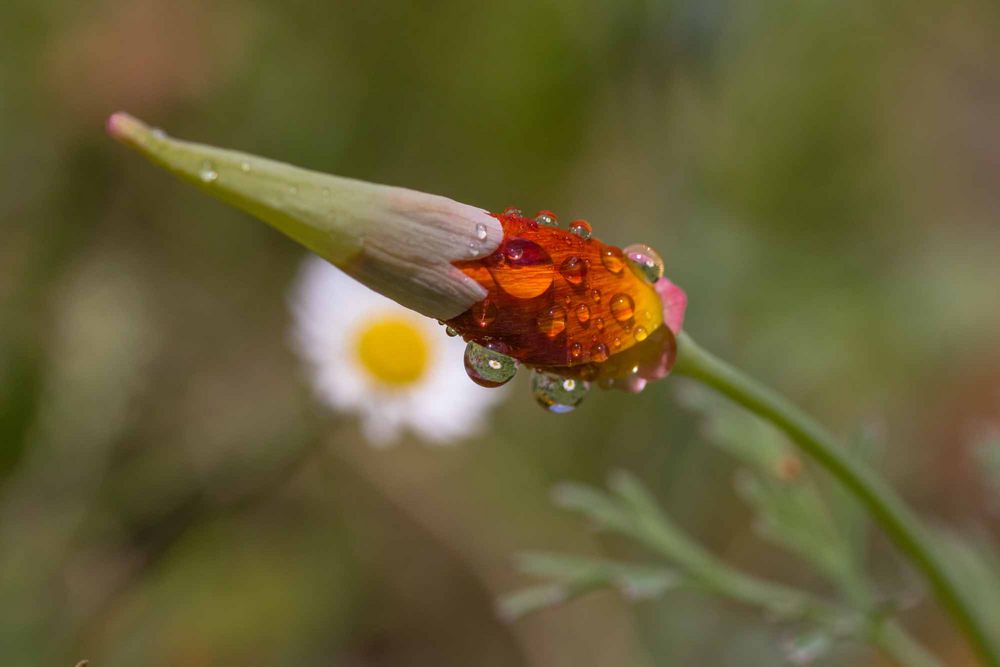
x=888, y=510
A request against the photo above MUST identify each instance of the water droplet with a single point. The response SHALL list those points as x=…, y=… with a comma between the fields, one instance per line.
x=595, y=294
x=552, y=321
x=484, y=313
x=599, y=352
x=547, y=218
x=613, y=259
x=473, y=248
x=640, y=334
x=207, y=173
x=574, y=270
x=622, y=307
x=245, y=167
x=645, y=261
x=616, y=343
x=576, y=350
x=158, y=133
x=481, y=231
x=582, y=312
x=488, y=365
x=451, y=333
x=528, y=271
x=512, y=211
x=599, y=323
x=581, y=228
x=557, y=394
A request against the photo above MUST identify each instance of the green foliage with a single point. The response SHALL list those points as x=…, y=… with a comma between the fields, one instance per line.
x=794, y=510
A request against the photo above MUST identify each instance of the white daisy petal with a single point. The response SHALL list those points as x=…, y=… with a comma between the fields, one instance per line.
x=433, y=398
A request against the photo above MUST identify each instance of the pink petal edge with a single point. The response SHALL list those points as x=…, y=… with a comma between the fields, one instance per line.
x=674, y=301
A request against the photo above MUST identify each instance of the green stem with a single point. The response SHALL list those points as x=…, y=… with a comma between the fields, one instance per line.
x=888, y=510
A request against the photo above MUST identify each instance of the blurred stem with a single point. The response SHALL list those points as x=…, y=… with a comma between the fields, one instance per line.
x=888, y=510
x=893, y=639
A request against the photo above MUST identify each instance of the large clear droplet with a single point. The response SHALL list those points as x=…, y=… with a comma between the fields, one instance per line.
x=558, y=394
x=481, y=233
x=645, y=261
x=487, y=365
x=582, y=313
x=527, y=271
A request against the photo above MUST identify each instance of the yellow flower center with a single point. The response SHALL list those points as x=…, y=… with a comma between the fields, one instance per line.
x=393, y=350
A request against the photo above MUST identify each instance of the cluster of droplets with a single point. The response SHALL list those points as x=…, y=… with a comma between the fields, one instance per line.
x=489, y=363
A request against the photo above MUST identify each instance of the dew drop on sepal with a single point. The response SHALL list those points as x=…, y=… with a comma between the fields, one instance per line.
x=207, y=173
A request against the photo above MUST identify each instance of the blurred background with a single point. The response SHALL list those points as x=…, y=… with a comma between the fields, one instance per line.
x=823, y=178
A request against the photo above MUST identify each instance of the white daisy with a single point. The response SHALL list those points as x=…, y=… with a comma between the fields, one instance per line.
x=368, y=355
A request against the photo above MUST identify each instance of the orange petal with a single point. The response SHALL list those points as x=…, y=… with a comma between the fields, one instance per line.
x=563, y=302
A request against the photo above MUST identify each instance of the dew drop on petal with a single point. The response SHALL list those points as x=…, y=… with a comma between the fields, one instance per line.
x=487, y=365
x=595, y=294
x=622, y=307
x=583, y=313
x=599, y=352
x=451, y=333
x=245, y=167
x=574, y=270
x=599, y=323
x=581, y=228
x=481, y=231
x=547, y=218
x=613, y=259
x=557, y=394
x=645, y=261
x=207, y=173
x=576, y=350
x=552, y=321
x=616, y=343
x=640, y=334
x=484, y=313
